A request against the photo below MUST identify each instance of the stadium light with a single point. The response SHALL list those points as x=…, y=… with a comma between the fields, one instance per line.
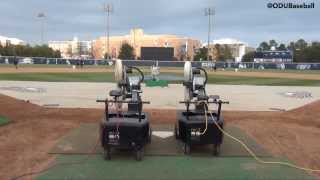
x=210, y=13
x=42, y=17
x=108, y=8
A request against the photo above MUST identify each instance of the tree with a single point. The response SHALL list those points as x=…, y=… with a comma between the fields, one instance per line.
x=291, y=46
x=217, y=52
x=29, y=51
x=310, y=53
x=302, y=51
x=57, y=54
x=248, y=57
x=315, y=44
x=273, y=43
x=227, y=54
x=126, y=52
x=282, y=47
x=106, y=56
x=201, y=54
x=223, y=52
x=301, y=44
x=264, y=46
x=1, y=49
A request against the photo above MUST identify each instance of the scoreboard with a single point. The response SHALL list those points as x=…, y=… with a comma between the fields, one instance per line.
x=157, y=53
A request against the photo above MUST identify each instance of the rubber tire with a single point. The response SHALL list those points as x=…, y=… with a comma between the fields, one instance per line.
x=107, y=154
x=216, y=150
x=139, y=154
x=150, y=136
x=186, y=149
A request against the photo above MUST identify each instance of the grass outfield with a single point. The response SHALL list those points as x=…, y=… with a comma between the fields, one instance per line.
x=163, y=69
x=261, y=81
x=279, y=71
x=59, y=77
x=108, y=77
x=54, y=66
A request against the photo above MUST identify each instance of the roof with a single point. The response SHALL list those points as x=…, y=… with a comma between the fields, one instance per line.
x=228, y=41
x=12, y=40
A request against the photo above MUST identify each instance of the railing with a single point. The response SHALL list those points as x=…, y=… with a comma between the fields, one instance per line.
x=204, y=64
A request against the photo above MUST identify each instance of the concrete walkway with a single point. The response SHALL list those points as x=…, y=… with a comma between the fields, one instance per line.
x=83, y=95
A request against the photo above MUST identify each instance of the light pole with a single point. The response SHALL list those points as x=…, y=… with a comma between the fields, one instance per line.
x=209, y=12
x=42, y=17
x=108, y=9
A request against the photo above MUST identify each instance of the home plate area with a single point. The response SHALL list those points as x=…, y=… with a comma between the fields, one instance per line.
x=78, y=156
x=84, y=139
x=162, y=134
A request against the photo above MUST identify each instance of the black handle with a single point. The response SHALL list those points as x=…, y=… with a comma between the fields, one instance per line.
x=141, y=73
x=209, y=102
x=205, y=74
x=220, y=102
x=123, y=101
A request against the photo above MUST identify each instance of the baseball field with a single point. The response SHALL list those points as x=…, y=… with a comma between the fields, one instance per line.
x=45, y=107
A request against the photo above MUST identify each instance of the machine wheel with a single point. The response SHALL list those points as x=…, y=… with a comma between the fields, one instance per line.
x=150, y=136
x=216, y=150
x=101, y=135
x=186, y=149
x=139, y=154
x=176, y=132
x=107, y=154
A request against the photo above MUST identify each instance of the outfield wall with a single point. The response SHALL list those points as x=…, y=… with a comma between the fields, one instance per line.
x=57, y=61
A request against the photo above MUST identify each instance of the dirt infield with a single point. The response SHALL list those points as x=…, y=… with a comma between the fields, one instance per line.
x=34, y=131
x=265, y=74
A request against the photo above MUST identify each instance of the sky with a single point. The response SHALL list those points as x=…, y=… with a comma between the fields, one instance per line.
x=247, y=20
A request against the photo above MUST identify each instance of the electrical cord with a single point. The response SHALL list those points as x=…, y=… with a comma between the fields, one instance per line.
x=254, y=155
x=206, y=117
x=118, y=108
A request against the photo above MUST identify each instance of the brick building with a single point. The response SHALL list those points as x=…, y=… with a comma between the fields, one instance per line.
x=184, y=47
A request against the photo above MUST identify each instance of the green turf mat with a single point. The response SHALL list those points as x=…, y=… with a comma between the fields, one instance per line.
x=175, y=167
x=161, y=83
x=83, y=140
x=4, y=121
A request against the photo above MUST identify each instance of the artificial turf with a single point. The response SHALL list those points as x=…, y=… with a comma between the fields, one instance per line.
x=168, y=167
x=158, y=166
x=83, y=139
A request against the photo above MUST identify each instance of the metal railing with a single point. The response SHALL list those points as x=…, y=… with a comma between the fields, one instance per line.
x=204, y=64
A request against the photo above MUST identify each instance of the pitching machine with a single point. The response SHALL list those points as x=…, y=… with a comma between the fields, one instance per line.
x=126, y=128
x=197, y=125
x=155, y=80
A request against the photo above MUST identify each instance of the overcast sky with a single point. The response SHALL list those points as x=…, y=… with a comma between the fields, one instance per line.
x=247, y=20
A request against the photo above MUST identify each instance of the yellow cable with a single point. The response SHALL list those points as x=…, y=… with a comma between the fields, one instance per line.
x=255, y=156
x=206, y=116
